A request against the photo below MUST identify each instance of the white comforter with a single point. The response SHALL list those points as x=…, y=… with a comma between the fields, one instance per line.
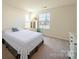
x=23, y=41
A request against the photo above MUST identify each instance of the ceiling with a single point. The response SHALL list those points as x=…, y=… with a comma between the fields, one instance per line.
x=34, y=5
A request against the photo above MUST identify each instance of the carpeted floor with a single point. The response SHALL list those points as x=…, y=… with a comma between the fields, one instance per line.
x=51, y=49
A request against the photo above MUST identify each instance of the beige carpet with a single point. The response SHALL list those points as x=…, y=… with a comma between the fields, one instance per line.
x=51, y=49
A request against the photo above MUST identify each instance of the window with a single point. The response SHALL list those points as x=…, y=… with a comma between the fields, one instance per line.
x=27, y=21
x=30, y=21
x=44, y=20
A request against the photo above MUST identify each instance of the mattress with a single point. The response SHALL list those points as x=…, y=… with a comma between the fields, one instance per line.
x=23, y=41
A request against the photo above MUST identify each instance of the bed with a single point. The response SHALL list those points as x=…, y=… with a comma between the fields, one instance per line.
x=22, y=44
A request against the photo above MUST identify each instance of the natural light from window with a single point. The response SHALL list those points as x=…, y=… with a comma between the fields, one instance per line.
x=44, y=20
x=27, y=21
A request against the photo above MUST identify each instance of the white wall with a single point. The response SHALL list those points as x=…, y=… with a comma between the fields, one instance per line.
x=12, y=16
x=63, y=21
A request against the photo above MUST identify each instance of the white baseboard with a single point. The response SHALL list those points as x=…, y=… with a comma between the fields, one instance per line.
x=54, y=37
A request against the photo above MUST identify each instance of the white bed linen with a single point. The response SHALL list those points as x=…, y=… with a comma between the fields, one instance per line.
x=23, y=41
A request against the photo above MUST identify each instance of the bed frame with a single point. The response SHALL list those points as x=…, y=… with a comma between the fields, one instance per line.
x=14, y=52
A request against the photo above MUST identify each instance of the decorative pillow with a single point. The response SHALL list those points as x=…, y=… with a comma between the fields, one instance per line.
x=14, y=29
